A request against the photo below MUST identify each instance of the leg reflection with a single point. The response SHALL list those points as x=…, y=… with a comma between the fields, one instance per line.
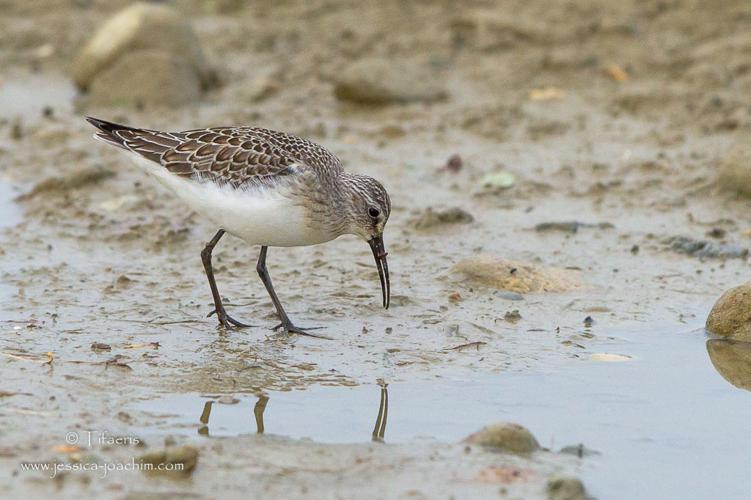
x=204, y=429
x=383, y=413
x=258, y=410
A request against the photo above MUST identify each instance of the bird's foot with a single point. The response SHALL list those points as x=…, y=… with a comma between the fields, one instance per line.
x=289, y=328
x=226, y=320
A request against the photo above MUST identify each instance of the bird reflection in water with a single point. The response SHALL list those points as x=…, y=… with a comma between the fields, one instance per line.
x=379, y=430
x=383, y=412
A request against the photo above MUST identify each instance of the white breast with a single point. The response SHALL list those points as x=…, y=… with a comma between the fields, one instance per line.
x=260, y=216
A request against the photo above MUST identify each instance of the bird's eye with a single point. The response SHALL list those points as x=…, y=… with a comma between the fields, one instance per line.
x=374, y=212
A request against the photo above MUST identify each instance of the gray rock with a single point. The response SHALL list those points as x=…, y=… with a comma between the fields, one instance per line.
x=432, y=218
x=730, y=317
x=146, y=78
x=505, y=436
x=705, y=249
x=150, y=28
x=379, y=81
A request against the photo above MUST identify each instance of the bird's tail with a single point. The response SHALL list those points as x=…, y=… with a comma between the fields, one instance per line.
x=108, y=131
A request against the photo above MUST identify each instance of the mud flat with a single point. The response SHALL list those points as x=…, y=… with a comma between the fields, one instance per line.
x=581, y=141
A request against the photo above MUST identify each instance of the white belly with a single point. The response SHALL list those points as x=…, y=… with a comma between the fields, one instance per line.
x=258, y=216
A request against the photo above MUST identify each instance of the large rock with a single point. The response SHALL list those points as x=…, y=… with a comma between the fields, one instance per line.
x=380, y=81
x=130, y=41
x=146, y=78
x=732, y=360
x=734, y=169
x=505, y=436
x=515, y=276
x=731, y=315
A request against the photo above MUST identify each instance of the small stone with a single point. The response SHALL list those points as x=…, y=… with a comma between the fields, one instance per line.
x=432, y=218
x=505, y=436
x=565, y=488
x=380, y=81
x=497, y=181
x=515, y=276
x=730, y=316
x=227, y=400
x=454, y=163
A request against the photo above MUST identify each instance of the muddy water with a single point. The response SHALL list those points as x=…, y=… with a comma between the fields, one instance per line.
x=654, y=417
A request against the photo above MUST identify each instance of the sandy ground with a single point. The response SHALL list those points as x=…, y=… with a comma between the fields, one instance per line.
x=604, y=112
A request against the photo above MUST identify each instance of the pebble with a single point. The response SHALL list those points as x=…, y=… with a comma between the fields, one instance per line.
x=505, y=436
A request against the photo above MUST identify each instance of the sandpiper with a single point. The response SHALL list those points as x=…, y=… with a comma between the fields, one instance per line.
x=266, y=187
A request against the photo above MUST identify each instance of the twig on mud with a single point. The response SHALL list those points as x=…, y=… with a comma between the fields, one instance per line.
x=476, y=344
x=159, y=323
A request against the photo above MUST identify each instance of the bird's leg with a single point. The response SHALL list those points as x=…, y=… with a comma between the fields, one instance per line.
x=286, y=323
x=224, y=319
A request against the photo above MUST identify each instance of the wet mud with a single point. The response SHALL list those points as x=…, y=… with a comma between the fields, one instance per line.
x=588, y=148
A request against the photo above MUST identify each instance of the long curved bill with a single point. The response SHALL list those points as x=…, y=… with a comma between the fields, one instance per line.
x=379, y=253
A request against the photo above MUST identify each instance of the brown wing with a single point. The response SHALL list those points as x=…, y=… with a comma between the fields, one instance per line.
x=238, y=156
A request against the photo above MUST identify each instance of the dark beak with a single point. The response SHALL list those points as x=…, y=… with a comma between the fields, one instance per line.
x=376, y=244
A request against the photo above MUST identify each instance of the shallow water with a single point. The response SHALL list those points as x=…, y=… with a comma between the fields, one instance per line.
x=663, y=424
x=28, y=96
x=10, y=212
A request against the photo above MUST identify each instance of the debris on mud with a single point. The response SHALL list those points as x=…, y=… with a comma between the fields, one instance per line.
x=505, y=436
x=732, y=360
x=512, y=316
x=515, y=276
x=430, y=218
x=175, y=460
x=566, y=488
x=380, y=81
x=570, y=226
x=579, y=450
x=705, y=249
x=734, y=169
x=144, y=54
x=731, y=315
x=607, y=357
x=454, y=164
x=100, y=346
x=68, y=181
x=495, y=182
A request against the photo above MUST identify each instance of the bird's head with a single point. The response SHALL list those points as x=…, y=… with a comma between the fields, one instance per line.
x=368, y=211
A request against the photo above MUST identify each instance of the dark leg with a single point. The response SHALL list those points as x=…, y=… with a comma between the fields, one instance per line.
x=224, y=319
x=285, y=324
